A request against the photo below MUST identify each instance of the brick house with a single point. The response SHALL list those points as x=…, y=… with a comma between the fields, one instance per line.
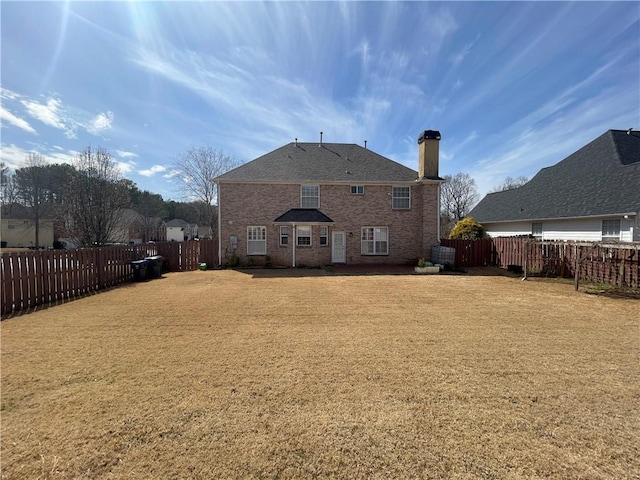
x=315, y=204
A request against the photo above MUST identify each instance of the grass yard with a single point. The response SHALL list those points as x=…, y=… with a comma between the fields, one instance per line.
x=286, y=374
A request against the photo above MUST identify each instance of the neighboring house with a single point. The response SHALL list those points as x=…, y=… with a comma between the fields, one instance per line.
x=19, y=228
x=134, y=227
x=179, y=230
x=592, y=195
x=316, y=204
x=205, y=232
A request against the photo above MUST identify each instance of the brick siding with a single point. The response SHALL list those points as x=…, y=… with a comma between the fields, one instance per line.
x=411, y=232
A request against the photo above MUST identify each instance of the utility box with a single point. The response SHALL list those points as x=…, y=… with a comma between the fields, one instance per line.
x=443, y=255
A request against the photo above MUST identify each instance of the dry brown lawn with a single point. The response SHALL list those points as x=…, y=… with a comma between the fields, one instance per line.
x=304, y=374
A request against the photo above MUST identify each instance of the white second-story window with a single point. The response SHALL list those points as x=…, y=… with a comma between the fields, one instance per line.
x=401, y=198
x=310, y=196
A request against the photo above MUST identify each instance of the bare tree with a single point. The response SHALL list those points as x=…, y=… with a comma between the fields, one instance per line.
x=97, y=196
x=30, y=183
x=457, y=195
x=510, y=183
x=7, y=192
x=196, y=169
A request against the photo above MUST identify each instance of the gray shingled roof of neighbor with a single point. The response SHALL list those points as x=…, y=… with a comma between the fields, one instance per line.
x=328, y=163
x=306, y=215
x=602, y=178
x=177, y=222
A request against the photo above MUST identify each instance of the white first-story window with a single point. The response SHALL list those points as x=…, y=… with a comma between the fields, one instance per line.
x=303, y=236
x=324, y=235
x=375, y=241
x=536, y=230
x=256, y=240
x=284, y=236
x=611, y=229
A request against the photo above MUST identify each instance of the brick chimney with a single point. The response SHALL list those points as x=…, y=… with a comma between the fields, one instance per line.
x=428, y=154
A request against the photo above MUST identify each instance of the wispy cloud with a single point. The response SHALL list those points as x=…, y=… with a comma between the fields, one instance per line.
x=100, y=123
x=459, y=56
x=152, y=171
x=126, y=167
x=21, y=123
x=48, y=113
x=14, y=156
x=125, y=154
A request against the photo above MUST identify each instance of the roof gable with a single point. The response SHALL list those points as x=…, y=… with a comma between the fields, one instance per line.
x=601, y=178
x=326, y=163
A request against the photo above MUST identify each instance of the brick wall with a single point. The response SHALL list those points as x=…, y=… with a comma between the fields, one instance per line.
x=411, y=232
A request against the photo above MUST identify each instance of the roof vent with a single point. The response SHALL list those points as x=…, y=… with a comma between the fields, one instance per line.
x=365, y=144
x=320, y=139
x=296, y=141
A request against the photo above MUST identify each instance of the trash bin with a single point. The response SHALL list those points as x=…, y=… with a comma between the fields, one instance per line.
x=139, y=268
x=154, y=268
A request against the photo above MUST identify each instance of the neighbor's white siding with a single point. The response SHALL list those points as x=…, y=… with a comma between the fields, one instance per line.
x=175, y=234
x=585, y=230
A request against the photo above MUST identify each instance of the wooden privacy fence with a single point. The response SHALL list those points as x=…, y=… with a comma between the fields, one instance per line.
x=46, y=277
x=615, y=264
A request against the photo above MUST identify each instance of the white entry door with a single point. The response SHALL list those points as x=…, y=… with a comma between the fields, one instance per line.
x=338, y=248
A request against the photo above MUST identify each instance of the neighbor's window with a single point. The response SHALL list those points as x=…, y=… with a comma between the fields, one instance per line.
x=303, y=236
x=611, y=229
x=256, y=240
x=324, y=235
x=310, y=196
x=536, y=230
x=401, y=198
x=357, y=189
x=284, y=236
x=375, y=241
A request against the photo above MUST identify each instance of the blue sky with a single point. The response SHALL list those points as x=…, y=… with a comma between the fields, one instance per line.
x=512, y=86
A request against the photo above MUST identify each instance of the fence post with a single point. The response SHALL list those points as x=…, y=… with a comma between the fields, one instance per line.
x=577, y=267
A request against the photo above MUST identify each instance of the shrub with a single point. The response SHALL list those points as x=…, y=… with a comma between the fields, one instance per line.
x=234, y=261
x=467, y=229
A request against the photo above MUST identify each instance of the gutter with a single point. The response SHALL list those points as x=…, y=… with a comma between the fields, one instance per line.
x=609, y=215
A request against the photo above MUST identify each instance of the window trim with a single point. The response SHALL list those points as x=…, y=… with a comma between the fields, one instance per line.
x=263, y=230
x=611, y=238
x=283, y=234
x=303, y=197
x=359, y=189
x=394, y=197
x=310, y=236
x=373, y=240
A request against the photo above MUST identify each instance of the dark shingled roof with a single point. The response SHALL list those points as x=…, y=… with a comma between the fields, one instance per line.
x=303, y=215
x=331, y=162
x=602, y=178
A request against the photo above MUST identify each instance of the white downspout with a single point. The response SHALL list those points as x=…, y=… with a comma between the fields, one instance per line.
x=438, y=214
x=293, y=243
x=219, y=230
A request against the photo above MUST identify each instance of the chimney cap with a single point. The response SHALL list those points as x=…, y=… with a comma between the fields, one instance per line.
x=429, y=135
